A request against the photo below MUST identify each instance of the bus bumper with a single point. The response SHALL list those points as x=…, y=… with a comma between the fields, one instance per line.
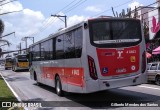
x=101, y=85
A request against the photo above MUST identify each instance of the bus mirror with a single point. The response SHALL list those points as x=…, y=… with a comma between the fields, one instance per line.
x=85, y=25
x=59, y=40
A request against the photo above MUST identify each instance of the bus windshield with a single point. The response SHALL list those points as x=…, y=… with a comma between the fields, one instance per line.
x=22, y=58
x=9, y=60
x=117, y=32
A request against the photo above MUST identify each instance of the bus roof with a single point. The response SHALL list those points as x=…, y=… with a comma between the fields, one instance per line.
x=79, y=25
x=60, y=32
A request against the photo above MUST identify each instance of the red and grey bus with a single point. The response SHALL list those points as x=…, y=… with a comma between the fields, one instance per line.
x=94, y=55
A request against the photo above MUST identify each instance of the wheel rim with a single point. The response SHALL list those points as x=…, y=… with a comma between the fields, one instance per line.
x=58, y=86
x=158, y=81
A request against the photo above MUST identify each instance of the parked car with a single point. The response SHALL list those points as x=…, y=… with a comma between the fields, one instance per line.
x=153, y=72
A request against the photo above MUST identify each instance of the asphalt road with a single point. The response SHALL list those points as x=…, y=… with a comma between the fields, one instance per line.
x=27, y=90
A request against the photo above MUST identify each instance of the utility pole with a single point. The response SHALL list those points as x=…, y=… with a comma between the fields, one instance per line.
x=65, y=20
x=20, y=48
x=25, y=39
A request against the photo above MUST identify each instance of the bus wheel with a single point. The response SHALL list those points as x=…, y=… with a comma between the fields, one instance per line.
x=59, y=90
x=35, y=78
x=158, y=80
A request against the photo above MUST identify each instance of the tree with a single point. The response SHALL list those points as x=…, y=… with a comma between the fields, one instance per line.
x=1, y=27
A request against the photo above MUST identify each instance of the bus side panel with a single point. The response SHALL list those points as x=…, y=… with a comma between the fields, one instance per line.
x=47, y=71
x=52, y=68
x=143, y=50
x=59, y=69
x=36, y=67
x=90, y=85
x=75, y=75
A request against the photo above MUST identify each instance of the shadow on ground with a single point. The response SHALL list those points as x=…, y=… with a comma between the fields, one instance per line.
x=100, y=100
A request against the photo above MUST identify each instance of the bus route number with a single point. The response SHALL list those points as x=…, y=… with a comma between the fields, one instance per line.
x=75, y=72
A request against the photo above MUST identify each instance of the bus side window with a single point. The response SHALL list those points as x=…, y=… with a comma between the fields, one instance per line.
x=69, y=46
x=78, y=42
x=46, y=50
x=36, y=53
x=59, y=52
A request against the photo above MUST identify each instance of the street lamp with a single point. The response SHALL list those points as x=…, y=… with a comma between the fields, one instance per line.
x=65, y=19
x=19, y=47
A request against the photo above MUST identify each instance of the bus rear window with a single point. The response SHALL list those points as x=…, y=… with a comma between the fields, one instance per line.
x=115, y=32
x=22, y=57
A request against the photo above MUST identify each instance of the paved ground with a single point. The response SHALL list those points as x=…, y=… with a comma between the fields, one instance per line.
x=27, y=90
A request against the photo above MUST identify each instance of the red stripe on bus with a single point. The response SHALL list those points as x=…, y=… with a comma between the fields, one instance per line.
x=73, y=76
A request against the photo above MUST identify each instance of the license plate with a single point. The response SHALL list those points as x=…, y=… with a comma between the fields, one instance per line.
x=120, y=70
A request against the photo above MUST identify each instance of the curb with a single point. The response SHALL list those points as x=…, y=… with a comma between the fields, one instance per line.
x=17, y=97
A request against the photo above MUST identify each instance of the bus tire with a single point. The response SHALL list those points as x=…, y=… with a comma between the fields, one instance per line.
x=157, y=80
x=58, y=86
x=35, y=78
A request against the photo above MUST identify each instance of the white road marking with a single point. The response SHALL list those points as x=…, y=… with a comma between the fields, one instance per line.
x=15, y=94
x=150, y=87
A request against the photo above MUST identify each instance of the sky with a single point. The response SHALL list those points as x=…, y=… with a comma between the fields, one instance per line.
x=35, y=20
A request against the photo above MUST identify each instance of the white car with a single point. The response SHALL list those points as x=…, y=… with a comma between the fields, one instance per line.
x=153, y=72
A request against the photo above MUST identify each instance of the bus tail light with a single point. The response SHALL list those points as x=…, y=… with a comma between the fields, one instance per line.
x=143, y=62
x=92, y=68
x=17, y=65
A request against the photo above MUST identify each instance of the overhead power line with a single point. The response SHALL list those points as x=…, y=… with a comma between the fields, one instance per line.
x=113, y=7
x=49, y=22
x=9, y=12
x=75, y=6
x=138, y=8
x=7, y=2
x=66, y=6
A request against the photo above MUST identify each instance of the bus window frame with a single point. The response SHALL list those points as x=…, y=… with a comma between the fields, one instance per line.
x=113, y=45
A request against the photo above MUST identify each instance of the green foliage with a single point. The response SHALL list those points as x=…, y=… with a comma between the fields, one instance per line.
x=1, y=27
x=5, y=92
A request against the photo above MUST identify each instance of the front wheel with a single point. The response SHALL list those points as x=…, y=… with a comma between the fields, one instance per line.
x=15, y=70
x=158, y=80
x=59, y=90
